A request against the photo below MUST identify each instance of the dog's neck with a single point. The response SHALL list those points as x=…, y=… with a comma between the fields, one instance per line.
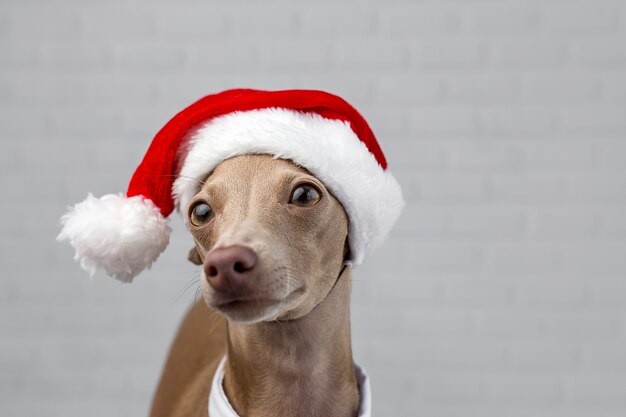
x=299, y=367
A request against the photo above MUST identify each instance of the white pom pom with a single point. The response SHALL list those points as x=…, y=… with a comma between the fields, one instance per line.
x=119, y=234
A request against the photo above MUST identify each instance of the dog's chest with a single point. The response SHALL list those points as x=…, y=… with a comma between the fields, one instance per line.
x=219, y=406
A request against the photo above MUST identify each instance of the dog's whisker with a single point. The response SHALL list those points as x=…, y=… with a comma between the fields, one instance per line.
x=213, y=326
x=186, y=287
x=190, y=271
x=193, y=301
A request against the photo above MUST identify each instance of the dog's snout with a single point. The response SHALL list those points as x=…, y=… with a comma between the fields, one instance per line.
x=227, y=269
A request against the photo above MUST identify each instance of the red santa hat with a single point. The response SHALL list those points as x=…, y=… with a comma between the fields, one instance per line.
x=319, y=131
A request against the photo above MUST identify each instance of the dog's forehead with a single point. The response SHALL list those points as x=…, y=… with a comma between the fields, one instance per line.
x=246, y=168
x=239, y=175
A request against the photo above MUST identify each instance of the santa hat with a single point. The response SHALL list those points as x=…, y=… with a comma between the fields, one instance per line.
x=319, y=131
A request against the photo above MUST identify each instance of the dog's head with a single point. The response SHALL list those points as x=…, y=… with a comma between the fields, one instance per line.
x=270, y=237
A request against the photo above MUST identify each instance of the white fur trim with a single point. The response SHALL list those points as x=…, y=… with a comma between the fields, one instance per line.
x=328, y=148
x=119, y=234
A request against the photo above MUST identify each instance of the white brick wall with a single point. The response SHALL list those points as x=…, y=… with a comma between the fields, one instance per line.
x=502, y=292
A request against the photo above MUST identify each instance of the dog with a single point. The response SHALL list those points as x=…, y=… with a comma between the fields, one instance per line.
x=283, y=192
x=271, y=241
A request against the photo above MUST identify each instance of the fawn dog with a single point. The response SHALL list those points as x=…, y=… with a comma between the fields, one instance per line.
x=271, y=241
x=276, y=243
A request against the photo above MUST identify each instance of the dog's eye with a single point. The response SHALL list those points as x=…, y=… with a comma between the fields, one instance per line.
x=200, y=214
x=304, y=196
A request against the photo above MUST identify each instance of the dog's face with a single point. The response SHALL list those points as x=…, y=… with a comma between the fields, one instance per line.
x=270, y=238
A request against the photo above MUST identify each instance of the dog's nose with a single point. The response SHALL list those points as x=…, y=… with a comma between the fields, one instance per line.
x=227, y=269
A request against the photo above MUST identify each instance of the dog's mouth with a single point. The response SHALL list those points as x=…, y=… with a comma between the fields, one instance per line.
x=241, y=303
x=248, y=305
x=247, y=310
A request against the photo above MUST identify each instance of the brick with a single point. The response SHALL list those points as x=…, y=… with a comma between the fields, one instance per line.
x=442, y=257
x=123, y=23
x=459, y=389
x=483, y=156
x=529, y=54
x=6, y=90
x=603, y=357
x=50, y=89
x=417, y=292
x=580, y=156
x=419, y=19
x=593, y=389
x=521, y=258
x=449, y=54
x=444, y=356
x=580, y=18
x=599, y=52
x=149, y=57
x=5, y=26
x=10, y=159
x=45, y=22
x=17, y=57
x=562, y=88
x=425, y=221
x=444, y=120
x=471, y=293
x=174, y=90
x=19, y=121
x=264, y=80
x=448, y=188
x=594, y=188
x=195, y=24
x=387, y=121
x=605, y=257
x=76, y=57
x=494, y=19
x=359, y=89
x=49, y=213
x=290, y=56
x=71, y=89
x=84, y=120
x=395, y=387
x=485, y=222
x=611, y=222
x=551, y=294
x=565, y=222
x=526, y=188
x=518, y=120
x=582, y=326
x=410, y=89
x=260, y=21
x=419, y=155
x=373, y=320
x=368, y=55
x=614, y=87
x=337, y=20
x=386, y=256
x=225, y=57
x=524, y=389
x=480, y=89
x=144, y=122
x=507, y=324
x=606, y=119
x=540, y=356
x=120, y=89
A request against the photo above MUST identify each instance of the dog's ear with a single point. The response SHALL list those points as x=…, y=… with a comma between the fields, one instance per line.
x=194, y=256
